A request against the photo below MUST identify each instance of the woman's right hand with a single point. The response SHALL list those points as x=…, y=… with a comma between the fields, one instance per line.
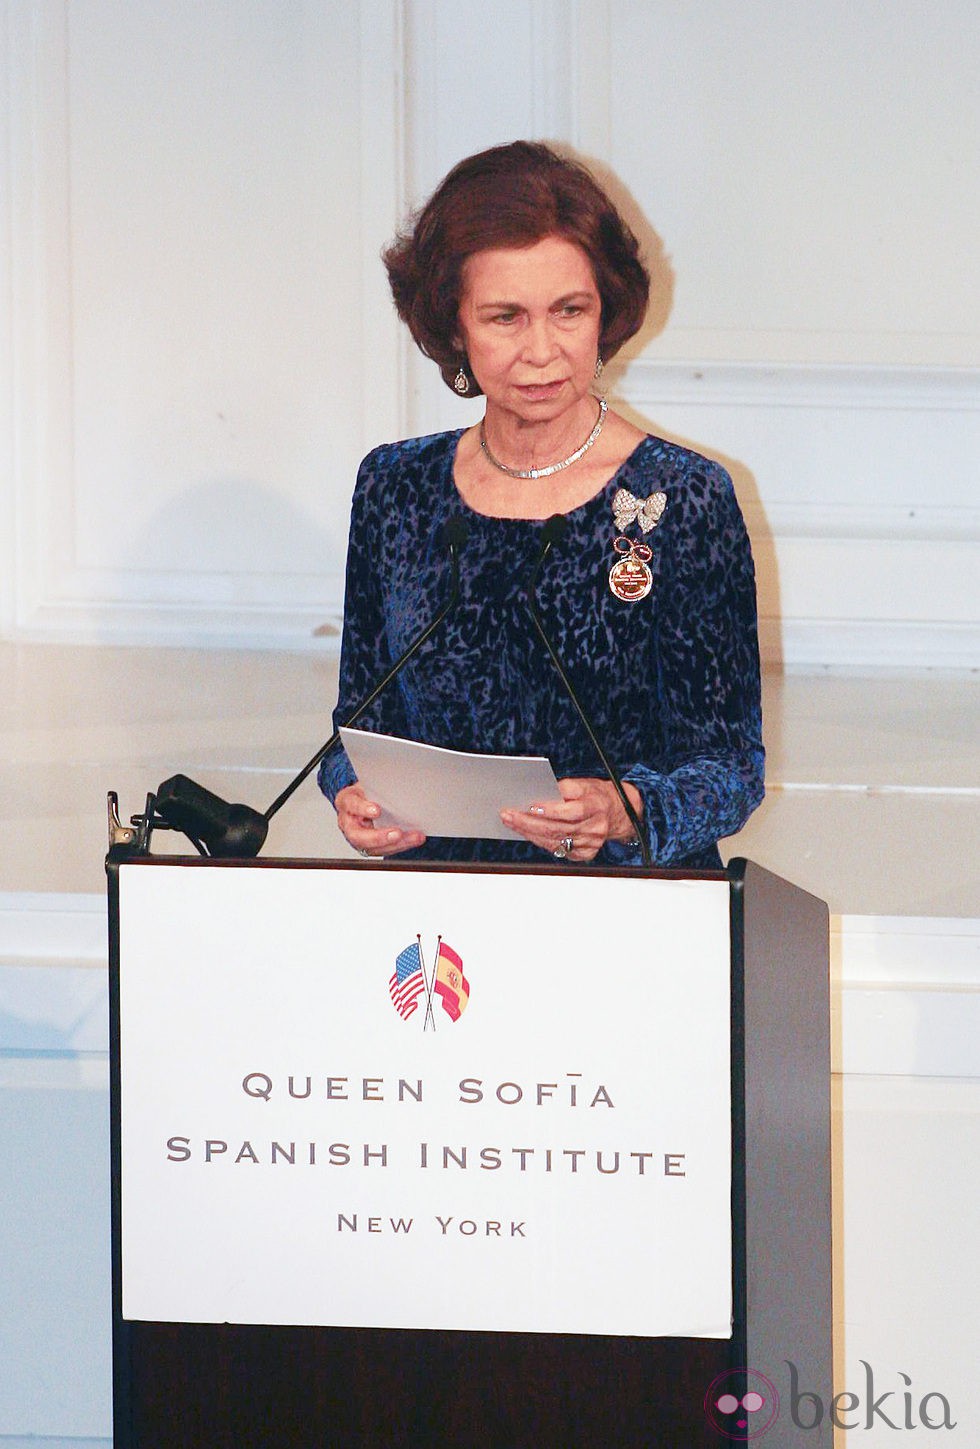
x=356, y=815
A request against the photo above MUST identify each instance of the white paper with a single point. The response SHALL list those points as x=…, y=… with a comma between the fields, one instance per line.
x=446, y=792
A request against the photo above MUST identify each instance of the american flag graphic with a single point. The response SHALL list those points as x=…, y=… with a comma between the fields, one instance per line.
x=407, y=982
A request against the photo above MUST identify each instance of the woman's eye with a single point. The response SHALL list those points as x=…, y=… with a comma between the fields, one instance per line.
x=505, y=317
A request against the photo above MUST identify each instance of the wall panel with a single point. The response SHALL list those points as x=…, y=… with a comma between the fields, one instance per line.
x=198, y=309
x=813, y=171
x=859, y=489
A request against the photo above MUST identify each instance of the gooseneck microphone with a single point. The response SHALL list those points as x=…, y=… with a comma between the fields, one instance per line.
x=237, y=832
x=551, y=534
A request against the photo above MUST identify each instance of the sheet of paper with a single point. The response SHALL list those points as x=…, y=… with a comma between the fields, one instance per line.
x=446, y=792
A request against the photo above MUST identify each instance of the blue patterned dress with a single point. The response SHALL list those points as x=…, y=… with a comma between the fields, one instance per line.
x=671, y=682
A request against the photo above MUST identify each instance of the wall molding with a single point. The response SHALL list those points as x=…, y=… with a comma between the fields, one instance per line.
x=551, y=48
x=383, y=68
x=8, y=553
x=187, y=625
x=591, y=79
x=858, y=493
x=841, y=386
x=48, y=928
x=924, y=522
x=906, y=997
x=38, y=288
x=53, y=975
x=32, y=1442
x=800, y=645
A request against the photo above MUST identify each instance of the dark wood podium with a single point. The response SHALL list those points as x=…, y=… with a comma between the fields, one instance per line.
x=255, y=1386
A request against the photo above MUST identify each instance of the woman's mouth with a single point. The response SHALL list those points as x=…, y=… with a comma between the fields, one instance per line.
x=541, y=391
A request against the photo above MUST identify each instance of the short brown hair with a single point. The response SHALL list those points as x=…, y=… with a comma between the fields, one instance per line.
x=511, y=196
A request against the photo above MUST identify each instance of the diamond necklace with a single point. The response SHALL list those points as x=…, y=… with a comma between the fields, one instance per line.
x=555, y=467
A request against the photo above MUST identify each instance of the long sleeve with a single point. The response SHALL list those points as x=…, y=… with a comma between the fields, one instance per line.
x=709, y=774
x=365, y=651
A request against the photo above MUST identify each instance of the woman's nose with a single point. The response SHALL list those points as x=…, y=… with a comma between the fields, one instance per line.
x=539, y=343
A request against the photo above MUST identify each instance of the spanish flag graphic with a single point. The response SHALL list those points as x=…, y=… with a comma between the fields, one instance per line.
x=451, y=985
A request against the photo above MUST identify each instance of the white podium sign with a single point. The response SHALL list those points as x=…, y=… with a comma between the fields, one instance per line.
x=382, y=1098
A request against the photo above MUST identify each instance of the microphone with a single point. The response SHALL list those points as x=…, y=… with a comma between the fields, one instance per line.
x=237, y=832
x=552, y=533
x=230, y=832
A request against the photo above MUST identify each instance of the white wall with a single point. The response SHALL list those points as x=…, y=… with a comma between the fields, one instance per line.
x=201, y=346
x=198, y=346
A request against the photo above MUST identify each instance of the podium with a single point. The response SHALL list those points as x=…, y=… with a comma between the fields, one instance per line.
x=430, y=1155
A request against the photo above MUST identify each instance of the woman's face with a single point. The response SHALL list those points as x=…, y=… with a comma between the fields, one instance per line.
x=529, y=319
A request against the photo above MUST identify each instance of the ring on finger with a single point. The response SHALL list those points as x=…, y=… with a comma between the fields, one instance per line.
x=565, y=847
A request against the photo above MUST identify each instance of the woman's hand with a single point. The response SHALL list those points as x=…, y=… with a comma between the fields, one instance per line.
x=588, y=814
x=356, y=815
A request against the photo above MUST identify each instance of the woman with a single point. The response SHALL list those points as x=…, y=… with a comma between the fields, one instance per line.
x=520, y=280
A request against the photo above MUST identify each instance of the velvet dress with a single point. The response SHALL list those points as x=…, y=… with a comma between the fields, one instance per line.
x=670, y=681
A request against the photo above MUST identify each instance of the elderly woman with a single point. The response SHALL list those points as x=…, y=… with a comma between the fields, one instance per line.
x=520, y=279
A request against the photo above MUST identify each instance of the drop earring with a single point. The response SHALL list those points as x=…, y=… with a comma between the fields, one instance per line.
x=461, y=382
x=598, y=367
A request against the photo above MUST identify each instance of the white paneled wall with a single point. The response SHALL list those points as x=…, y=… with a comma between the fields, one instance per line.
x=813, y=170
x=198, y=345
x=202, y=347
x=860, y=490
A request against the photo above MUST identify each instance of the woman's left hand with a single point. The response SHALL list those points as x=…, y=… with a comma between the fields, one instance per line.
x=588, y=814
